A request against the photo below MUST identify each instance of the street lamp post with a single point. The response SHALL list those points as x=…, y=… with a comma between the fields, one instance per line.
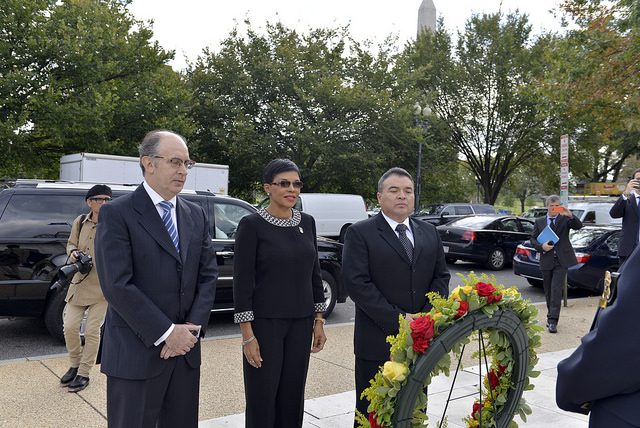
x=423, y=122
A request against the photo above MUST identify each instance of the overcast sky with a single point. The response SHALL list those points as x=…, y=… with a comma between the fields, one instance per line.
x=187, y=26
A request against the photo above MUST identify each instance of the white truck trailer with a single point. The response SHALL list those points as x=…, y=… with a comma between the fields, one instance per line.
x=111, y=169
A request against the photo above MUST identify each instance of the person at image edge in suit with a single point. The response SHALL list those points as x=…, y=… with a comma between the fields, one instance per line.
x=555, y=259
x=158, y=272
x=627, y=207
x=601, y=377
x=386, y=278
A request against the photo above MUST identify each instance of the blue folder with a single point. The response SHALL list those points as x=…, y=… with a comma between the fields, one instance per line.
x=548, y=235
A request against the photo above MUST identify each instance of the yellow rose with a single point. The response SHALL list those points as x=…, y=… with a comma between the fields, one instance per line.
x=395, y=372
x=456, y=293
x=467, y=289
x=436, y=316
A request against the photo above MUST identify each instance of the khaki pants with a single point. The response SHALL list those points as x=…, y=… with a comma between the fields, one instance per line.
x=83, y=359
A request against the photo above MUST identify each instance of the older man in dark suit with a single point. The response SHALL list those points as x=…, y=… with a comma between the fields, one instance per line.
x=158, y=271
x=555, y=259
x=390, y=262
x=626, y=207
x=602, y=376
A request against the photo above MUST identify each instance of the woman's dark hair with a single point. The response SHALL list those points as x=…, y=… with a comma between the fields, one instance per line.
x=277, y=166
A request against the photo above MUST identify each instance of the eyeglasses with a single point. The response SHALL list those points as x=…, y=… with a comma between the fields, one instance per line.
x=177, y=163
x=287, y=183
x=100, y=200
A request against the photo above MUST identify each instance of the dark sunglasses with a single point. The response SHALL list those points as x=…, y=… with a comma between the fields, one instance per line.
x=100, y=200
x=287, y=183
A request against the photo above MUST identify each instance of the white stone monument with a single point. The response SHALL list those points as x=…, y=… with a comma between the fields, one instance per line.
x=426, y=16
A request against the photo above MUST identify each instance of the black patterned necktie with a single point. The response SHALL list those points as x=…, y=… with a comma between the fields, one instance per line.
x=168, y=222
x=553, y=223
x=404, y=240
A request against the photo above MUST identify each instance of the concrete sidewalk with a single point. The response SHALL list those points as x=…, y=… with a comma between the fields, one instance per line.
x=30, y=395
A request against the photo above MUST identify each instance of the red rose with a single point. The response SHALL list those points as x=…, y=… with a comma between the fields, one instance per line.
x=373, y=422
x=485, y=289
x=462, y=309
x=422, y=333
x=476, y=409
x=493, y=380
x=491, y=299
x=501, y=369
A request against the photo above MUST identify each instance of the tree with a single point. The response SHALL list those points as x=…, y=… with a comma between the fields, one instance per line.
x=592, y=84
x=484, y=92
x=79, y=75
x=321, y=99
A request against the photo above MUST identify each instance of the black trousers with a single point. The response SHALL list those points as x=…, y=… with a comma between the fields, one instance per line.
x=553, y=283
x=365, y=371
x=168, y=400
x=275, y=392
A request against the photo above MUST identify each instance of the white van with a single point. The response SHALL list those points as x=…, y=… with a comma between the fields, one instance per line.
x=333, y=212
x=594, y=213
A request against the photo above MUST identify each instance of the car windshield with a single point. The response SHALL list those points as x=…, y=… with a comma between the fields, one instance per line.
x=431, y=210
x=584, y=236
x=484, y=209
x=472, y=222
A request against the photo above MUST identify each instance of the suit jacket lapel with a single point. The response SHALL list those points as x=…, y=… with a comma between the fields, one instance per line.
x=390, y=236
x=150, y=220
x=633, y=201
x=419, y=237
x=183, y=212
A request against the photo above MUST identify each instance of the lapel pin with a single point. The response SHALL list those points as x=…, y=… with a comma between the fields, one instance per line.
x=300, y=227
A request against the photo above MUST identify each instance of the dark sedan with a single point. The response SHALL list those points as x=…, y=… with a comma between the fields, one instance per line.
x=596, y=249
x=488, y=239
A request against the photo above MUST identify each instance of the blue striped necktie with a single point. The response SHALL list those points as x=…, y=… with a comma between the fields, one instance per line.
x=168, y=223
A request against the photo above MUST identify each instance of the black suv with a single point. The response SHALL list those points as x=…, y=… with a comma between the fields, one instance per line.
x=35, y=223
x=444, y=213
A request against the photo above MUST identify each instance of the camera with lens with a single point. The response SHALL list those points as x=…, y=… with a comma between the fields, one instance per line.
x=83, y=266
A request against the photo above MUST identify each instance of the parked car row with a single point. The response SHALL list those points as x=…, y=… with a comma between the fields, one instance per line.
x=488, y=239
x=596, y=250
x=35, y=223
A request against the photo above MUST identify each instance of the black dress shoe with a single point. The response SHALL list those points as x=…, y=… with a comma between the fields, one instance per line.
x=78, y=384
x=69, y=376
x=552, y=328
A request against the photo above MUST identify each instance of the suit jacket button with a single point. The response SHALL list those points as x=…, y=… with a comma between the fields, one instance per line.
x=179, y=268
x=182, y=292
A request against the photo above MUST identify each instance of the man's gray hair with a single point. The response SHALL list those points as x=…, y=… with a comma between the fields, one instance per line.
x=149, y=145
x=393, y=171
x=550, y=199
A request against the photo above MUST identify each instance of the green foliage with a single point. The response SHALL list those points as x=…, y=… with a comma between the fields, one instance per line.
x=79, y=75
x=320, y=99
x=483, y=93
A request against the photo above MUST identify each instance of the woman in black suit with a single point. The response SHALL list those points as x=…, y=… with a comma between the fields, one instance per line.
x=279, y=301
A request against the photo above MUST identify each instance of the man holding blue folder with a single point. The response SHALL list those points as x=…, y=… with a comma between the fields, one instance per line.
x=550, y=238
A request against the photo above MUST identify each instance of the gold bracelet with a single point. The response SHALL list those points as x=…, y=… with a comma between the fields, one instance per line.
x=322, y=320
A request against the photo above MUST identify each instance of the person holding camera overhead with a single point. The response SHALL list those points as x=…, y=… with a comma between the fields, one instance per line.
x=84, y=294
x=627, y=207
x=556, y=258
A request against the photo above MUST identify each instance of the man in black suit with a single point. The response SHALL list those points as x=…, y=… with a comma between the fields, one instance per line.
x=602, y=376
x=627, y=207
x=555, y=259
x=158, y=271
x=390, y=262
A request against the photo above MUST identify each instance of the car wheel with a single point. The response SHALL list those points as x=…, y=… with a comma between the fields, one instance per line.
x=450, y=260
x=330, y=290
x=53, y=314
x=497, y=259
x=535, y=282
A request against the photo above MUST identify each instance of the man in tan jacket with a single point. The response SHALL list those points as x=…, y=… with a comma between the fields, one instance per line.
x=84, y=295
